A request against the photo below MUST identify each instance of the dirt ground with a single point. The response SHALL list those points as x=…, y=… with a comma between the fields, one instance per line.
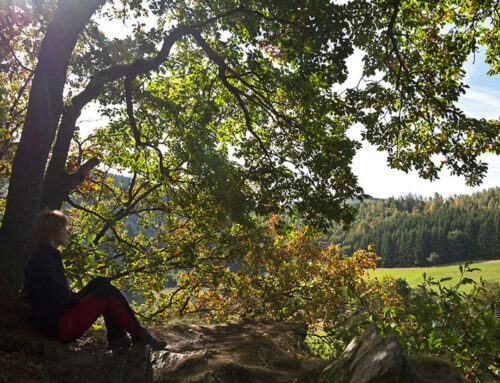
x=245, y=351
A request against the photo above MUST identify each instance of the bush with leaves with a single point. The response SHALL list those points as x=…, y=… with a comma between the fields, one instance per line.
x=448, y=322
x=228, y=271
x=285, y=277
x=437, y=320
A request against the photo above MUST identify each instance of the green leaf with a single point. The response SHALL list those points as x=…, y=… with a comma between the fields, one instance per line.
x=91, y=237
x=450, y=339
x=432, y=339
x=344, y=290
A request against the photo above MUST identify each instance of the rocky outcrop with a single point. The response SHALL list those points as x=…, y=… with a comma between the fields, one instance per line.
x=27, y=357
x=243, y=352
x=15, y=312
x=246, y=351
x=372, y=358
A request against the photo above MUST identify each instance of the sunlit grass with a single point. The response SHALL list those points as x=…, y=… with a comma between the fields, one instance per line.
x=414, y=276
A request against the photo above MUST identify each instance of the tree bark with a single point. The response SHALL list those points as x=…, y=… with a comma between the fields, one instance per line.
x=44, y=111
x=58, y=184
x=34, y=184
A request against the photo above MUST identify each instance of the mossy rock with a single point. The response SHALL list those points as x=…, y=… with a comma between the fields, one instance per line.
x=15, y=313
x=372, y=358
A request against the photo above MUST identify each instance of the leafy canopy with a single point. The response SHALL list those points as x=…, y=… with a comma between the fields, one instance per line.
x=223, y=111
x=239, y=99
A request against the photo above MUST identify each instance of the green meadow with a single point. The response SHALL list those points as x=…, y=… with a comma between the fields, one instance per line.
x=489, y=270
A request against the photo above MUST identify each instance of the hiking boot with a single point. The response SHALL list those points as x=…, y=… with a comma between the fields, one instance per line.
x=122, y=342
x=147, y=338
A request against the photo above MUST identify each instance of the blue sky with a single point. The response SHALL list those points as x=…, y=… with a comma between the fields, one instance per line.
x=482, y=100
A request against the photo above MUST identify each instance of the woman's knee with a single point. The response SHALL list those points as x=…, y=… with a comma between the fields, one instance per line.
x=93, y=285
x=104, y=290
x=100, y=281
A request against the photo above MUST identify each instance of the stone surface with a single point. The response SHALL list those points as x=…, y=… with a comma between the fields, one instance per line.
x=367, y=359
x=246, y=351
x=226, y=373
x=15, y=313
x=242, y=352
x=372, y=358
x=426, y=369
x=42, y=360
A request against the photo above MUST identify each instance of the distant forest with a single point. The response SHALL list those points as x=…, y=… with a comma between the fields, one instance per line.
x=412, y=231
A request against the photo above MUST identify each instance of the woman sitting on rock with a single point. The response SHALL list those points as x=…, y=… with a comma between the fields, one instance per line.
x=61, y=314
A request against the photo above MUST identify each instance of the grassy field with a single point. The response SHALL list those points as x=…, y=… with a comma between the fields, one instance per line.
x=490, y=270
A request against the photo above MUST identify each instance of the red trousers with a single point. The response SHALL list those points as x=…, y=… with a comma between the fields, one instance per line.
x=98, y=298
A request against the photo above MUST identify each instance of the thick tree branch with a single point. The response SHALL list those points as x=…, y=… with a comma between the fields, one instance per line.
x=130, y=112
x=130, y=71
x=61, y=187
x=40, y=125
x=72, y=112
x=223, y=68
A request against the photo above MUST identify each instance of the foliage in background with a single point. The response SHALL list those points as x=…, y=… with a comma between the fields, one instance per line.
x=432, y=319
x=284, y=277
x=408, y=230
x=222, y=112
x=19, y=43
x=448, y=322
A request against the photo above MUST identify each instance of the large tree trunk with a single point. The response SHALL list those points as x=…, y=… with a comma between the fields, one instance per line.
x=43, y=114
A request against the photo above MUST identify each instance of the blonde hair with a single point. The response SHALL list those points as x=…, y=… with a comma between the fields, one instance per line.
x=48, y=222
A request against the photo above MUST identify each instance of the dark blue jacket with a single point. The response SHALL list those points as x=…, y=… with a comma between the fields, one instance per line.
x=47, y=289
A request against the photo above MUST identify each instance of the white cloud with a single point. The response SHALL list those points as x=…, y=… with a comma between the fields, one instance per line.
x=481, y=102
x=370, y=165
x=378, y=180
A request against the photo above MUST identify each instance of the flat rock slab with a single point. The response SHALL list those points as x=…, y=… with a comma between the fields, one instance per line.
x=372, y=358
x=246, y=351
x=27, y=357
x=242, y=352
